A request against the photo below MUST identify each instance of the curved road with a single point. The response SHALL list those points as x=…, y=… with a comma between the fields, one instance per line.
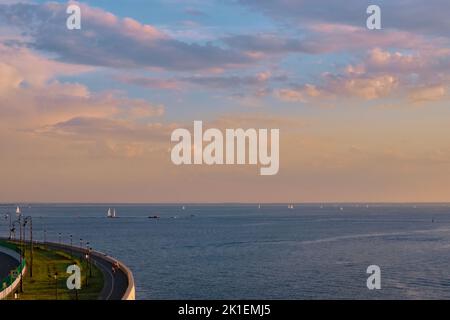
x=115, y=283
x=7, y=264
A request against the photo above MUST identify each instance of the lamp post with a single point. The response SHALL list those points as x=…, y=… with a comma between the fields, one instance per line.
x=87, y=264
x=21, y=256
x=90, y=264
x=56, y=284
x=8, y=216
x=88, y=260
x=27, y=220
x=71, y=247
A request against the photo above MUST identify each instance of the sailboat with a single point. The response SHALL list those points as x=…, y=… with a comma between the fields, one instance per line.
x=18, y=210
x=291, y=206
x=183, y=208
x=111, y=214
x=259, y=206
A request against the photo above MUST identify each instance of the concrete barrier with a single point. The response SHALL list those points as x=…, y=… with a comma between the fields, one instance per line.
x=130, y=293
x=12, y=288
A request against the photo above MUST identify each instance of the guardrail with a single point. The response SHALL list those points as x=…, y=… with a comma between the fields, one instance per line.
x=11, y=282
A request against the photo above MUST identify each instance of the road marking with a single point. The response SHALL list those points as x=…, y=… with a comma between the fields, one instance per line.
x=112, y=278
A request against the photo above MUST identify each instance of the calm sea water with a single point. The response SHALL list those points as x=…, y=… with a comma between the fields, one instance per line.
x=242, y=252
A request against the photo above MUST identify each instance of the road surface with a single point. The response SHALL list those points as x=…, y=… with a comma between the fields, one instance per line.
x=7, y=263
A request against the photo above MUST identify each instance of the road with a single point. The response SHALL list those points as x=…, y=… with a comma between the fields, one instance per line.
x=7, y=264
x=115, y=283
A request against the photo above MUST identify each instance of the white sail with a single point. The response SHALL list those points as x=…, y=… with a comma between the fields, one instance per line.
x=17, y=210
x=114, y=213
x=109, y=212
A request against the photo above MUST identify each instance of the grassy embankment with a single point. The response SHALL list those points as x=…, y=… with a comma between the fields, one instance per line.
x=47, y=263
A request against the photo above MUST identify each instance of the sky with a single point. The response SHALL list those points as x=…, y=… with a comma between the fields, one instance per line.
x=87, y=115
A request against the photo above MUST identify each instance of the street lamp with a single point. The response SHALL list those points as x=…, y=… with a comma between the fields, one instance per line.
x=87, y=266
x=21, y=256
x=55, y=276
x=90, y=264
x=8, y=216
x=25, y=222
x=71, y=247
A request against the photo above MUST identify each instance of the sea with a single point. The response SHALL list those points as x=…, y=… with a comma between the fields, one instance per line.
x=243, y=251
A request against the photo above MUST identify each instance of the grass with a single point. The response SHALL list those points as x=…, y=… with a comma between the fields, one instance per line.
x=47, y=263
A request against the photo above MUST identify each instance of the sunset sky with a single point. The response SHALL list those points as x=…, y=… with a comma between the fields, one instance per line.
x=86, y=115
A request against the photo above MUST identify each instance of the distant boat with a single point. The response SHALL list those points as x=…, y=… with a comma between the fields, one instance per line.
x=341, y=208
x=291, y=206
x=259, y=206
x=17, y=210
x=183, y=208
x=111, y=214
x=153, y=217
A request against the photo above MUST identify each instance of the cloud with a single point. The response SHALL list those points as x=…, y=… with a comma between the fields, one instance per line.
x=233, y=82
x=411, y=77
x=152, y=83
x=412, y=16
x=428, y=94
x=195, y=12
x=258, y=84
x=33, y=98
x=103, y=129
x=106, y=40
x=321, y=38
x=342, y=87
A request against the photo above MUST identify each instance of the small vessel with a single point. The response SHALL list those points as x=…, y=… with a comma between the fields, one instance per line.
x=341, y=208
x=17, y=210
x=111, y=214
x=154, y=217
x=183, y=208
x=259, y=206
x=291, y=206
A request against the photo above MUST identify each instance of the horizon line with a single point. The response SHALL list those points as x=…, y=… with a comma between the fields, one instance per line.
x=23, y=203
